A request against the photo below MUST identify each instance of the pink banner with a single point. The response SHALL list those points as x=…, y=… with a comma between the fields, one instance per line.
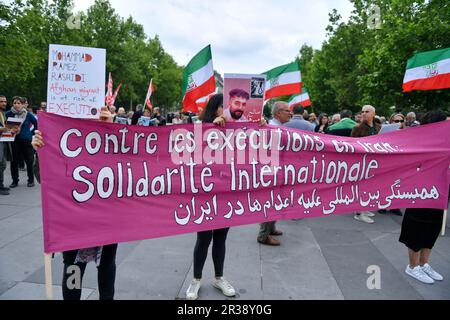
x=106, y=183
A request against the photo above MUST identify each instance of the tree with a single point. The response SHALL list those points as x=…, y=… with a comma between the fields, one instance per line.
x=359, y=65
x=30, y=26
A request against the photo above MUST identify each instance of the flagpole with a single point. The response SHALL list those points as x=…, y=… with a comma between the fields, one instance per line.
x=48, y=275
x=444, y=222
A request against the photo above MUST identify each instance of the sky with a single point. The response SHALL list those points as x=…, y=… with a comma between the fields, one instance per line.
x=246, y=36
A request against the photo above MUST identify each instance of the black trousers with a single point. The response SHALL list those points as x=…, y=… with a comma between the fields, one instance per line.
x=22, y=148
x=204, y=238
x=106, y=274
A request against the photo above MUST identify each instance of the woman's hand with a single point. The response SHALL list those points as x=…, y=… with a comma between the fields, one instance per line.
x=38, y=141
x=220, y=121
x=105, y=115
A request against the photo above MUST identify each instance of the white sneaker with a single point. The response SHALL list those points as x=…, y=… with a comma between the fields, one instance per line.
x=192, y=291
x=431, y=273
x=225, y=286
x=363, y=218
x=418, y=274
x=368, y=213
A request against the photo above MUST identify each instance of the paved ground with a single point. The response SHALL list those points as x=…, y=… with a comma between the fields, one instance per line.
x=322, y=258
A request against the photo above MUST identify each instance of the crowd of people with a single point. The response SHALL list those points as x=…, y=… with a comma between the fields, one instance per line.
x=420, y=227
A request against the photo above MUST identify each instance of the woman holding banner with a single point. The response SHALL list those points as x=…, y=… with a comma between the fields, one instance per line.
x=420, y=230
x=211, y=114
x=75, y=261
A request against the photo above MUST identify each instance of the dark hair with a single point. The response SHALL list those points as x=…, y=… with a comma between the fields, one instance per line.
x=22, y=100
x=346, y=114
x=210, y=112
x=298, y=110
x=434, y=116
x=239, y=93
x=35, y=109
x=322, y=115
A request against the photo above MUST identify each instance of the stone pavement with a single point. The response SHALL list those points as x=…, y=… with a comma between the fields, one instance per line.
x=320, y=258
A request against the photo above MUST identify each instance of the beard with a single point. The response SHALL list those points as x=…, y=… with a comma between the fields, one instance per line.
x=236, y=115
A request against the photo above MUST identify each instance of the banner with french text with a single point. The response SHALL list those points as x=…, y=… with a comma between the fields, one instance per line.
x=106, y=183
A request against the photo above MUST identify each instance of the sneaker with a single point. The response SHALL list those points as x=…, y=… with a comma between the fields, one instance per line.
x=30, y=184
x=431, y=273
x=225, y=286
x=418, y=274
x=368, y=214
x=14, y=184
x=363, y=218
x=4, y=188
x=4, y=192
x=192, y=291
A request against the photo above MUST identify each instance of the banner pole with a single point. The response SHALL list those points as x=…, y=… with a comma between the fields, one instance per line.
x=444, y=222
x=48, y=275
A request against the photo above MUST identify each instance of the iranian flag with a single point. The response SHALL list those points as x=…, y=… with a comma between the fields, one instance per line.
x=198, y=79
x=113, y=99
x=428, y=71
x=109, y=93
x=300, y=99
x=283, y=81
x=150, y=90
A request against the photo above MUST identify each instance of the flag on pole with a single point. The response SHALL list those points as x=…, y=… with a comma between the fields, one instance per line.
x=428, y=70
x=150, y=90
x=300, y=99
x=109, y=93
x=284, y=80
x=198, y=79
x=115, y=94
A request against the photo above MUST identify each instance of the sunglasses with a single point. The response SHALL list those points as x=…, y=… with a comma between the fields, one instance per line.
x=399, y=121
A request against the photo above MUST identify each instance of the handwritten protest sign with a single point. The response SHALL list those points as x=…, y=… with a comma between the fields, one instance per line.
x=76, y=81
x=106, y=183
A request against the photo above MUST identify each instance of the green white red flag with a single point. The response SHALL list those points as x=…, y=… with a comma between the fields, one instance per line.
x=283, y=81
x=428, y=71
x=109, y=92
x=115, y=94
x=150, y=90
x=300, y=99
x=198, y=79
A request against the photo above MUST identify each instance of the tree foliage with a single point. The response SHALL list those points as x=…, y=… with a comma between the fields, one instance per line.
x=28, y=27
x=358, y=65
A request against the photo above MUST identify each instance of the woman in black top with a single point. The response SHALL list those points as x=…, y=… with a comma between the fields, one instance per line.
x=211, y=114
x=421, y=228
x=323, y=123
